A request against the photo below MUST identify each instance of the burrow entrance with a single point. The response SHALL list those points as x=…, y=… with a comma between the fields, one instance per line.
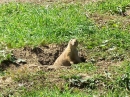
x=42, y=55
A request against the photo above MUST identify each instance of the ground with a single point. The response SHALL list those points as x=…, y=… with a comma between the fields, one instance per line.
x=42, y=55
x=33, y=59
x=27, y=66
x=29, y=61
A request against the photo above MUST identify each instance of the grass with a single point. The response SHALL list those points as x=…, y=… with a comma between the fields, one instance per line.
x=27, y=24
x=54, y=93
x=23, y=24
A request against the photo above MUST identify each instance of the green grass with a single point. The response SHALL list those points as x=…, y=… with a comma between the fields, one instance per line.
x=23, y=24
x=28, y=24
x=55, y=93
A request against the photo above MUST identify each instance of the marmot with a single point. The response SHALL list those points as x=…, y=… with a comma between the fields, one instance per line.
x=69, y=55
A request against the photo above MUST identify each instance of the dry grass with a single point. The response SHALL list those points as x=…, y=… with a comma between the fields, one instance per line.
x=49, y=1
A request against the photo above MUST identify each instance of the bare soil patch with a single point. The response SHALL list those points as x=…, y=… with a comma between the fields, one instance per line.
x=42, y=55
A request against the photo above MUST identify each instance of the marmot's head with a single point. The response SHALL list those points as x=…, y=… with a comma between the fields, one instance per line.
x=73, y=43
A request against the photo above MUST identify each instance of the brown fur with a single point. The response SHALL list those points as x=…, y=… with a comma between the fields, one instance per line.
x=69, y=55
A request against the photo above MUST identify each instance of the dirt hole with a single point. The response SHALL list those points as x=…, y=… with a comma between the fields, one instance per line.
x=42, y=55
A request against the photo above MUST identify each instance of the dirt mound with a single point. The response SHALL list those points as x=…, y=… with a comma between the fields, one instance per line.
x=42, y=55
